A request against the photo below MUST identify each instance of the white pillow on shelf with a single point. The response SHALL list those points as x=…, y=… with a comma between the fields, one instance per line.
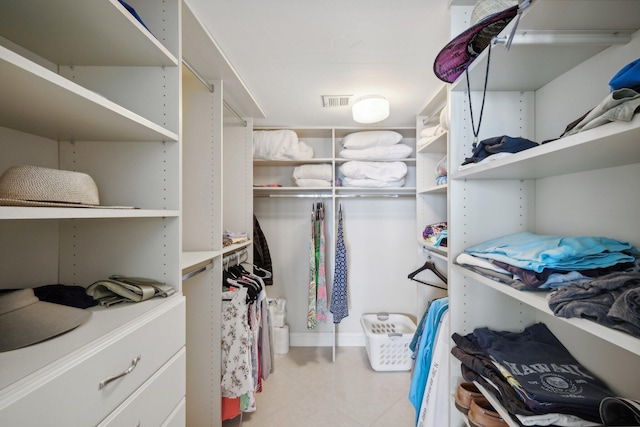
x=371, y=138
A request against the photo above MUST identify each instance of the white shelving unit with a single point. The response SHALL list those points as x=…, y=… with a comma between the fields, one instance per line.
x=577, y=185
x=218, y=113
x=72, y=100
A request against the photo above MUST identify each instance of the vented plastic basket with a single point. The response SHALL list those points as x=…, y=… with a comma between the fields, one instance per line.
x=388, y=337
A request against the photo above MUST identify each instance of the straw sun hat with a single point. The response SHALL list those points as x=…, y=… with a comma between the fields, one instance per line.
x=38, y=186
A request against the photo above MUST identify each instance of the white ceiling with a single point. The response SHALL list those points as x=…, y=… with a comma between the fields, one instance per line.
x=291, y=52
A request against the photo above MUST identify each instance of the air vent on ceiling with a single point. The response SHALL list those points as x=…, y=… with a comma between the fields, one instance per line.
x=329, y=101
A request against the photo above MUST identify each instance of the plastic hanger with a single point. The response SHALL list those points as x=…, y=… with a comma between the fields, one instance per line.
x=429, y=265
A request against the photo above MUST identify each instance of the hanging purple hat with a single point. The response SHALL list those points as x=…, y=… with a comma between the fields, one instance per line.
x=488, y=19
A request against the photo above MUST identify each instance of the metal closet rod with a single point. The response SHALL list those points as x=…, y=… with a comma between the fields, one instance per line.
x=235, y=255
x=342, y=196
x=211, y=89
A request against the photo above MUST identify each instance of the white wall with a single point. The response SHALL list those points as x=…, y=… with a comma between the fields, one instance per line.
x=381, y=243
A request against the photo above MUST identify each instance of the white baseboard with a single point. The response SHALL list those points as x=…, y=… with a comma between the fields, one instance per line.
x=325, y=339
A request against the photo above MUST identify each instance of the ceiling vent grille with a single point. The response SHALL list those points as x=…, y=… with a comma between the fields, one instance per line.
x=331, y=101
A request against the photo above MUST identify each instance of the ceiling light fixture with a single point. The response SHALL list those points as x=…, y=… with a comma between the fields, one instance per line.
x=370, y=109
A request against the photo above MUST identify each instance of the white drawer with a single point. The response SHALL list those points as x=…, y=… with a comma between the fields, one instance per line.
x=154, y=401
x=178, y=417
x=69, y=395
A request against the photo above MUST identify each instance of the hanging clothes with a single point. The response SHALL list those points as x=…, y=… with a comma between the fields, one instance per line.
x=321, y=307
x=261, y=254
x=425, y=352
x=312, y=291
x=339, y=301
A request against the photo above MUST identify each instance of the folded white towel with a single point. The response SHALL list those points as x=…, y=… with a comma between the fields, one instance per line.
x=398, y=151
x=321, y=171
x=280, y=144
x=381, y=171
x=431, y=131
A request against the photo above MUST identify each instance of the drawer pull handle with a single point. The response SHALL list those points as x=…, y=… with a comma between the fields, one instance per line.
x=106, y=381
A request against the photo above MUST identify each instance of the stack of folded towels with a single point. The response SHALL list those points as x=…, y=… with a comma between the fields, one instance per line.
x=279, y=145
x=430, y=132
x=312, y=175
x=374, y=145
x=356, y=173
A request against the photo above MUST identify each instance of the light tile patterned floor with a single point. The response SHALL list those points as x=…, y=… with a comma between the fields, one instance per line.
x=308, y=389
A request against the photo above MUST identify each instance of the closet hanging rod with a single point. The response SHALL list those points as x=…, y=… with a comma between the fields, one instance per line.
x=394, y=196
x=193, y=273
x=198, y=76
x=211, y=89
x=310, y=196
x=242, y=121
x=235, y=255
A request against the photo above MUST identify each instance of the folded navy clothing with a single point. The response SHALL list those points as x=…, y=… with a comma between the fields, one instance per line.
x=498, y=144
x=546, y=376
x=72, y=296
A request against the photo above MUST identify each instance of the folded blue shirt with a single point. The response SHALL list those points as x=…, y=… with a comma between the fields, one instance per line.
x=536, y=252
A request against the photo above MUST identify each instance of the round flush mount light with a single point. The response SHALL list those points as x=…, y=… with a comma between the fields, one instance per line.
x=370, y=109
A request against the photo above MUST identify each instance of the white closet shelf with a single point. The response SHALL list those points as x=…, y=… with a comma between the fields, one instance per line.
x=610, y=145
x=435, y=144
x=86, y=33
x=236, y=246
x=38, y=101
x=436, y=189
x=190, y=260
x=103, y=324
x=23, y=212
x=511, y=70
x=538, y=301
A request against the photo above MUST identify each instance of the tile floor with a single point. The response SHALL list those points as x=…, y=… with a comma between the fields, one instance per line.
x=308, y=389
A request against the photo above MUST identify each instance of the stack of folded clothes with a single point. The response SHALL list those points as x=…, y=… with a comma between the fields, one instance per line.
x=372, y=174
x=312, y=175
x=374, y=145
x=441, y=172
x=532, y=375
x=596, y=278
x=279, y=145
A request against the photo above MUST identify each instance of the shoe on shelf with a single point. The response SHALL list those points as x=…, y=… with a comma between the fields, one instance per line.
x=482, y=414
x=464, y=394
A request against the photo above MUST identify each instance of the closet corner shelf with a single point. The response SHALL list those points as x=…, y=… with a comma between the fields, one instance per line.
x=36, y=100
x=236, y=246
x=610, y=145
x=111, y=25
x=438, y=189
x=190, y=260
x=538, y=301
x=435, y=144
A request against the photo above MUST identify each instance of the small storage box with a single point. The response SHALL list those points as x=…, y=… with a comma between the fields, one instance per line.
x=388, y=337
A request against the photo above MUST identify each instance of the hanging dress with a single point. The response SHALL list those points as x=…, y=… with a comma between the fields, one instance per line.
x=312, y=296
x=321, y=305
x=339, y=303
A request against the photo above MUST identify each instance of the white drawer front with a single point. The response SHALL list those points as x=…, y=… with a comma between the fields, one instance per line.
x=71, y=396
x=178, y=417
x=152, y=403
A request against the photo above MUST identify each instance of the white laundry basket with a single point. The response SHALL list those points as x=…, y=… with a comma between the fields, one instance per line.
x=388, y=337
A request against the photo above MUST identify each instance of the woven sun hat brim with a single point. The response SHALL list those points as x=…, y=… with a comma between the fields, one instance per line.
x=38, y=186
x=460, y=52
x=25, y=320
